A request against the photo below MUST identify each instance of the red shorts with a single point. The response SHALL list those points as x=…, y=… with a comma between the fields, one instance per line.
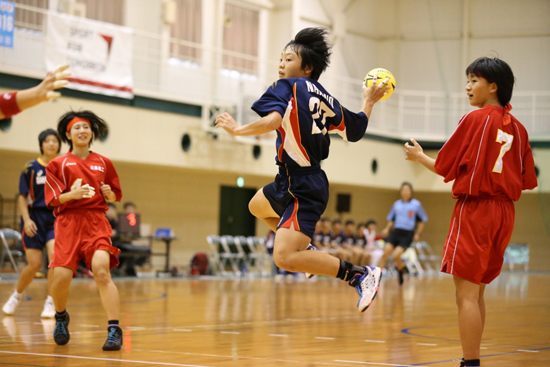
x=481, y=228
x=79, y=233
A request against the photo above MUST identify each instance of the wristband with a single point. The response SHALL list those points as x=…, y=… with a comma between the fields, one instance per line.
x=8, y=104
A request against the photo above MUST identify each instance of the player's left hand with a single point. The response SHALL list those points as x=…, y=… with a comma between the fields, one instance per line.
x=416, y=237
x=106, y=190
x=227, y=122
x=413, y=152
x=376, y=91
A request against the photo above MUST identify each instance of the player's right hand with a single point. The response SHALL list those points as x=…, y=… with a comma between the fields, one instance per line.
x=55, y=79
x=227, y=122
x=30, y=228
x=84, y=192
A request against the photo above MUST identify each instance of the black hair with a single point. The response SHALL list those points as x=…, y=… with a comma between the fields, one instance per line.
x=129, y=203
x=111, y=205
x=44, y=134
x=349, y=221
x=369, y=222
x=406, y=183
x=98, y=125
x=336, y=221
x=497, y=71
x=325, y=219
x=312, y=46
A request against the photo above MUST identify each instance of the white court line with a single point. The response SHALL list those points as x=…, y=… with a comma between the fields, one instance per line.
x=482, y=347
x=375, y=341
x=428, y=344
x=229, y=332
x=135, y=328
x=377, y=363
x=279, y=335
x=323, y=338
x=528, y=351
x=84, y=325
x=104, y=359
x=186, y=330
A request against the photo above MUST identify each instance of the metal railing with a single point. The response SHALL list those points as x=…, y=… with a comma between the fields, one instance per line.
x=207, y=80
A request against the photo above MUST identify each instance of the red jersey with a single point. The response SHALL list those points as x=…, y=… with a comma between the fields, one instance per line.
x=69, y=172
x=488, y=154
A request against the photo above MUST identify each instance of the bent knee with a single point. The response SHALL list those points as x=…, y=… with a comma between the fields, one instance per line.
x=284, y=261
x=102, y=276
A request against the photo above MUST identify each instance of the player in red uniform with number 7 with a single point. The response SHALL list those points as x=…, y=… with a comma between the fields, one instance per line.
x=81, y=228
x=490, y=159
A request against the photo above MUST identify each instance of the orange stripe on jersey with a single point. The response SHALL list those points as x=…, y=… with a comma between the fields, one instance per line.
x=293, y=219
x=342, y=125
x=295, y=123
x=31, y=187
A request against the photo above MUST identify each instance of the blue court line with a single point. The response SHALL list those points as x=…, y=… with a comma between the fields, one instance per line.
x=487, y=356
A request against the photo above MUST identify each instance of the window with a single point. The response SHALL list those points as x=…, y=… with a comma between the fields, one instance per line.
x=240, y=36
x=108, y=11
x=30, y=19
x=188, y=27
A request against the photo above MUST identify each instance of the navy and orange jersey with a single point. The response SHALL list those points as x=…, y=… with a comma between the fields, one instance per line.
x=309, y=113
x=31, y=183
x=488, y=154
x=69, y=172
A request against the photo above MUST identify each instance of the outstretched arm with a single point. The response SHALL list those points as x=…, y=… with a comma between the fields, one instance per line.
x=415, y=153
x=268, y=123
x=31, y=97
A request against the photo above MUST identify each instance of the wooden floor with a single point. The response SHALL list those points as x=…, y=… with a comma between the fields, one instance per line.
x=195, y=322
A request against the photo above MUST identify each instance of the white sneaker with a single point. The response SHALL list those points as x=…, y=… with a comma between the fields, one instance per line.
x=49, y=310
x=10, y=306
x=368, y=287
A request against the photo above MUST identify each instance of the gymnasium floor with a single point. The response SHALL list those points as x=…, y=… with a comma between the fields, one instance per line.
x=213, y=322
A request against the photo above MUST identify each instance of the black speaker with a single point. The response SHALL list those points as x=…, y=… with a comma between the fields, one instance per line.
x=343, y=203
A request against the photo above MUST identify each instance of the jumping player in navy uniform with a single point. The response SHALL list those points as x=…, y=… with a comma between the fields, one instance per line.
x=37, y=221
x=303, y=113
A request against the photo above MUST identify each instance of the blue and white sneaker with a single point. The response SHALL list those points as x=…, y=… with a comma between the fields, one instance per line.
x=311, y=247
x=367, y=286
x=61, y=334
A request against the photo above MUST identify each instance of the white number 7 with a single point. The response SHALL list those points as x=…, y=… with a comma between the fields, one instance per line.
x=507, y=139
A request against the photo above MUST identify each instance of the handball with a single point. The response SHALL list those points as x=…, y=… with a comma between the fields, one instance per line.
x=382, y=75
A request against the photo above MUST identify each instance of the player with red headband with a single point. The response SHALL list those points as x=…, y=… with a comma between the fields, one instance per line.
x=82, y=230
x=11, y=103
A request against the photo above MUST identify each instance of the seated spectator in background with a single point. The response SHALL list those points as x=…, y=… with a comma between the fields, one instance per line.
x=322, y=238
x=130, y=255
x=375, y=252
x=129, y=207
x=112, y=217
x=348, y=243
x=336, y=238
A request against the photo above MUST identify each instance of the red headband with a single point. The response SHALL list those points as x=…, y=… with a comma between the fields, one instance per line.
x=74, y=121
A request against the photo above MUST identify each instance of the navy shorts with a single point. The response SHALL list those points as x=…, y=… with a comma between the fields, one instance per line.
x=44, y=220
x=299, y=196
x=401, y=238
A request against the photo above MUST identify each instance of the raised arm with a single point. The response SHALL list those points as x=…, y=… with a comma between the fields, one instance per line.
x=268, y=123
x=11, y=103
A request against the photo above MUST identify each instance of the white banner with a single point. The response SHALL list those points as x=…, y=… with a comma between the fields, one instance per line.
x=100, y=54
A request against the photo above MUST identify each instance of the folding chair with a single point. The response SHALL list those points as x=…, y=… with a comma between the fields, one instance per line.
x=517, y=254
x=215, y=242
x=427, y=258
x=258, y=252
x=243, y=247
x=10, y=234
x=233, y=253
